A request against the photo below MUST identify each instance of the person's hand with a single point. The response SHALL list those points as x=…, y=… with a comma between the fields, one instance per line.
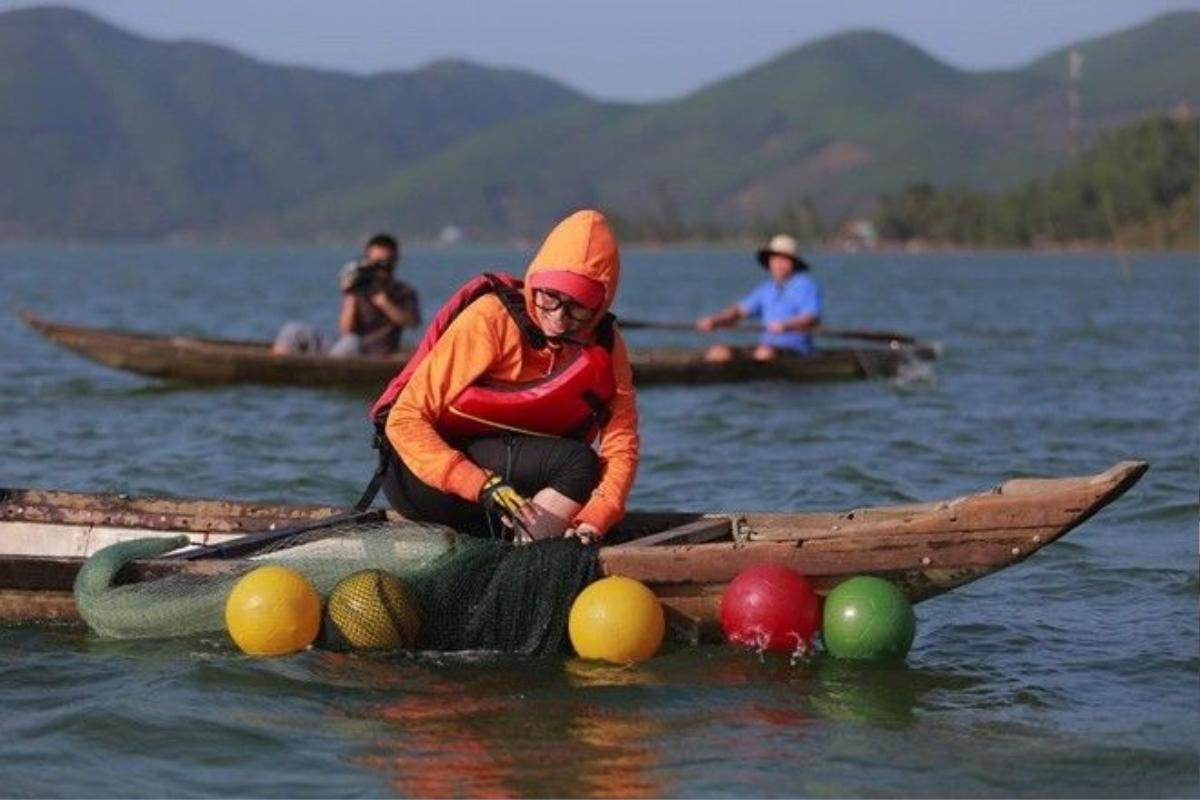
x=705, y=324
x=775, y=327
x=398, y=316
x=584, y=532
x=380, y=298
x=514, y=510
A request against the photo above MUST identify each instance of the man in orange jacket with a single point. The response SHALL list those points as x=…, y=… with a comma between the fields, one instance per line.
x=541, y=482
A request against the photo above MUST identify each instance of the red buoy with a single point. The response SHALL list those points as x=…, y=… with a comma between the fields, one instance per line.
x=771, y=607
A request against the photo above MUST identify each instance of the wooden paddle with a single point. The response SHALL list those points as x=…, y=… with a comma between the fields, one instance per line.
x=255, y=542
x=833, y=333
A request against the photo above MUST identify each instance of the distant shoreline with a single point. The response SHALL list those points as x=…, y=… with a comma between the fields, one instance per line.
x=902, y=248
x=892, y=248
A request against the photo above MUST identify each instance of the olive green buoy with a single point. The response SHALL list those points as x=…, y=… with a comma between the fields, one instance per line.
x=868, y=619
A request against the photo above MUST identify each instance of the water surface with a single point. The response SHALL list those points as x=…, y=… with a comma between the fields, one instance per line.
x=1076, y=673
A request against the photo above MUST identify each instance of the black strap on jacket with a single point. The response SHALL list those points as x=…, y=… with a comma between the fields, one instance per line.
x=514, y=304
x=605, y=331
x=383, y=449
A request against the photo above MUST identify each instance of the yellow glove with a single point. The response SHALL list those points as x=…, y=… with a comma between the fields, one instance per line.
x=498, y=497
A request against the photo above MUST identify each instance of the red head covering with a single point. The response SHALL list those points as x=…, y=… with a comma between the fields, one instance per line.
x=580, y=288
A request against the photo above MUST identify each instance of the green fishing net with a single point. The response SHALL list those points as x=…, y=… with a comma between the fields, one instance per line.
x=473, y=594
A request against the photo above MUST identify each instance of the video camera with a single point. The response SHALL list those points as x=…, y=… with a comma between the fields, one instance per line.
x=368, y=276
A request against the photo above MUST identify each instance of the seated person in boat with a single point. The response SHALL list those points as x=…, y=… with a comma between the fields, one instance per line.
x=490, y=424
x=788, y=303
x=375, y=310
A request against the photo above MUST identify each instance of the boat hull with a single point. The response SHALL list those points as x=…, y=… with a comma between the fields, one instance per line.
x=199, y=360
x=687, y=559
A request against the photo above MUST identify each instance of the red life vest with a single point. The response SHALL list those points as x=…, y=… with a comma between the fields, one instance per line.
x=572, y=401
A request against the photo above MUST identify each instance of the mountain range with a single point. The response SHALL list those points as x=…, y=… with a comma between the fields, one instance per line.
x=110, y=135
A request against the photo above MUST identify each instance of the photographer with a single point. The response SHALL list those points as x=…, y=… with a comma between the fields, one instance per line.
x=375, y=309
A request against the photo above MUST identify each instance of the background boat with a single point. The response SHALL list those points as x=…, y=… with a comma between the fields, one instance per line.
x=199, y=360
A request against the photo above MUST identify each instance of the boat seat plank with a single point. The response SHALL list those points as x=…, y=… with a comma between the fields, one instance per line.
x=702, y=530
x=29, y=538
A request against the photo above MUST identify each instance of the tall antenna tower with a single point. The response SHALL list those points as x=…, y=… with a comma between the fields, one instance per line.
x=1074, y=104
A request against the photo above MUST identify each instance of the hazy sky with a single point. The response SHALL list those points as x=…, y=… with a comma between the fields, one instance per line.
x=620, y=49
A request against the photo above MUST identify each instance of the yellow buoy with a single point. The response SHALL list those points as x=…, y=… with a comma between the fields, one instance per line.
x=370, y=610
x=273, y=611
x=616, y=619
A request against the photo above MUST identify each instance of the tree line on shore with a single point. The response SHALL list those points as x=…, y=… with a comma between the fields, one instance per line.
x=1136, y=186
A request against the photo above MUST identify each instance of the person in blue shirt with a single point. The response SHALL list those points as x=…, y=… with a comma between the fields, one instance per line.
x=789, y=305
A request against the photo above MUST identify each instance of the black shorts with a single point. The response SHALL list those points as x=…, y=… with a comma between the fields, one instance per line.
x=528, y=463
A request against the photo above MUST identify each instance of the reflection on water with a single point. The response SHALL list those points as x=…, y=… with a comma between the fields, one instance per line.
x=494, y=728
x=583, y=674
x=503, y=728
x=616, y=755
x=885, y=695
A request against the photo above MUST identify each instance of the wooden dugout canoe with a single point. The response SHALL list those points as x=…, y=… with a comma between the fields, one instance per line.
x=685, y=558
x=198, y=360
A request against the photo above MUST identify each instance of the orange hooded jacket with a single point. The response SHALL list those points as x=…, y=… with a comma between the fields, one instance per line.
x=484, y=342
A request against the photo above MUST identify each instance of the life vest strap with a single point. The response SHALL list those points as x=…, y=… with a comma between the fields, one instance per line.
x=384, y=449
x=514, y=304
x=601, y=414
x=498, y=425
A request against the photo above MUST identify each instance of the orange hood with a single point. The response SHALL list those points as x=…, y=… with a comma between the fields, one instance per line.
x=582, y=243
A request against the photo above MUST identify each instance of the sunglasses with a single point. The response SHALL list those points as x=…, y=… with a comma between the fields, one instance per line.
x=553, y=301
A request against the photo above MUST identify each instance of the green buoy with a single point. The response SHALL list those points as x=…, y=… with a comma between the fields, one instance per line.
x=868, y=619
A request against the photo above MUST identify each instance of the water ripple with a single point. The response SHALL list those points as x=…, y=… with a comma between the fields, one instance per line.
x=1075, y=673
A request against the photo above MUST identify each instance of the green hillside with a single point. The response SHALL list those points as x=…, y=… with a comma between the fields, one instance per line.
x=114, y=135
x=834, y=123
x=107, y=134
x=1124, y=72
x=1136, y=186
